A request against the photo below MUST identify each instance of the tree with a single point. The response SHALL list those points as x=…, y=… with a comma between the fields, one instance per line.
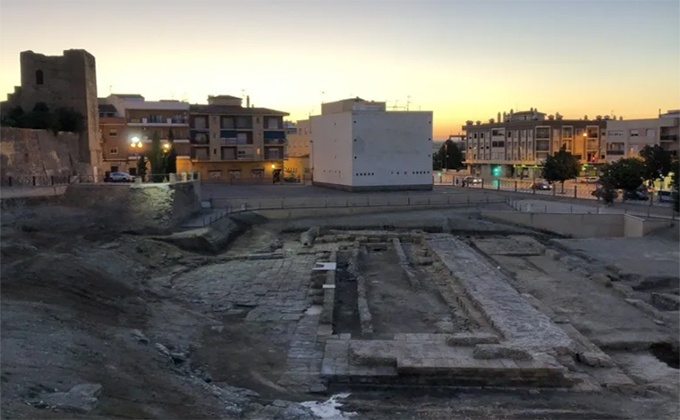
x=41, y=118
x=451, y=156
x=68, y=119
x=626, y=174
x=15, y=117
x=657, y=162
x=156, y=159
x=171, y=161
x=560, y=167
x=171, y=155
x=141, y=167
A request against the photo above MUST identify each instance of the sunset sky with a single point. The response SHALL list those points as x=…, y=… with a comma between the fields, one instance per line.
x=461, y=59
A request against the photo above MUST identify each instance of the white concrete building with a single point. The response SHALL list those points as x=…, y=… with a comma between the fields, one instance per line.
x=358, y=145
x=625, y=138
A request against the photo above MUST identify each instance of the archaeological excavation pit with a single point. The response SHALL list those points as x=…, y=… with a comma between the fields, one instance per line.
x=416, y=309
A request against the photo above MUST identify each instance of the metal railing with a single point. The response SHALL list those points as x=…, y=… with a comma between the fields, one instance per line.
x=47, y=181
x=570, y=190
x=236, y=205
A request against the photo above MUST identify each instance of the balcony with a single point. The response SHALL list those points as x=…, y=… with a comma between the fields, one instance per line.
x=274, y=137
x=616, y=152
x=162, y=121
x=669, y=137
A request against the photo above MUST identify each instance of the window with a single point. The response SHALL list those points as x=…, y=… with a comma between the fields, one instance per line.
x=215, y=174
x=258, y=173
x=113, y=132
x=39, y=77
x=200, y=123
x=113, y=151
x=542, y=132
x=650, y=132
x=567, y=132
x=634, y=133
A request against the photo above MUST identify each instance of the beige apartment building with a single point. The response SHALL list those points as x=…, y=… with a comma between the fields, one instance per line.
x=517, y=143
x=230, y=142
x=627, y=138
x=298, y=160
x=128, y=122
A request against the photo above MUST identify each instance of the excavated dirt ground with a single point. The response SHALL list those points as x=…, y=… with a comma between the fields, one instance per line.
x=175, y=334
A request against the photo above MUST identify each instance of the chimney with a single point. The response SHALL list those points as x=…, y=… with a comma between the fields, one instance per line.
x=499, y=117
x=248, y=101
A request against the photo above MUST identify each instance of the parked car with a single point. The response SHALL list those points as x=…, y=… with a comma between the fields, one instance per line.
x=639, y=194
x=471, y=180
x=665, y=196
x=541, y=186
x=120, y=177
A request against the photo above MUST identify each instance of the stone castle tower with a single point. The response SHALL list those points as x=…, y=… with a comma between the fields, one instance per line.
x=69, y=80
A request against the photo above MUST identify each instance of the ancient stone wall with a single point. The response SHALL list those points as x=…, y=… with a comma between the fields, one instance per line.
x=25, y=153
x=147, y=208
x=70, y=81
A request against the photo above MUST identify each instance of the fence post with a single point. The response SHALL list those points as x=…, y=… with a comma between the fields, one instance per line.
x=499, y=185
x=482, y=183
x=575, y=191
x=52, y=178
x=34, y=180
x=9, y=181
x=515, y=186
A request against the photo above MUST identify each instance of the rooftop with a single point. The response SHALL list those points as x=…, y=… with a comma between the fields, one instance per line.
x=233, y=110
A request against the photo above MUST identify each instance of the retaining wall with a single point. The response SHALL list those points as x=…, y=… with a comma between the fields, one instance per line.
x=149, y=208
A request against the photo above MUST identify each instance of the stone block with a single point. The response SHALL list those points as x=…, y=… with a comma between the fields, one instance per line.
x=666, y=301
x=551, y=253
x=601, y=278
x=471, y=339
x=595, y=359
x=496, y=351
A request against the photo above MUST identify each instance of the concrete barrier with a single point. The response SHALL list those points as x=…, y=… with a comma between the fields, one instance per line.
x=573, y=225
x=29, y=192
x=636, y=227
x=582, y=225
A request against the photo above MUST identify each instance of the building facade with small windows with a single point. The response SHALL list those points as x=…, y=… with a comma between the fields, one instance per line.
x=357, y=145
x=627, y=138
x=115, y=147
x=230, y=142
x=516, y=144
